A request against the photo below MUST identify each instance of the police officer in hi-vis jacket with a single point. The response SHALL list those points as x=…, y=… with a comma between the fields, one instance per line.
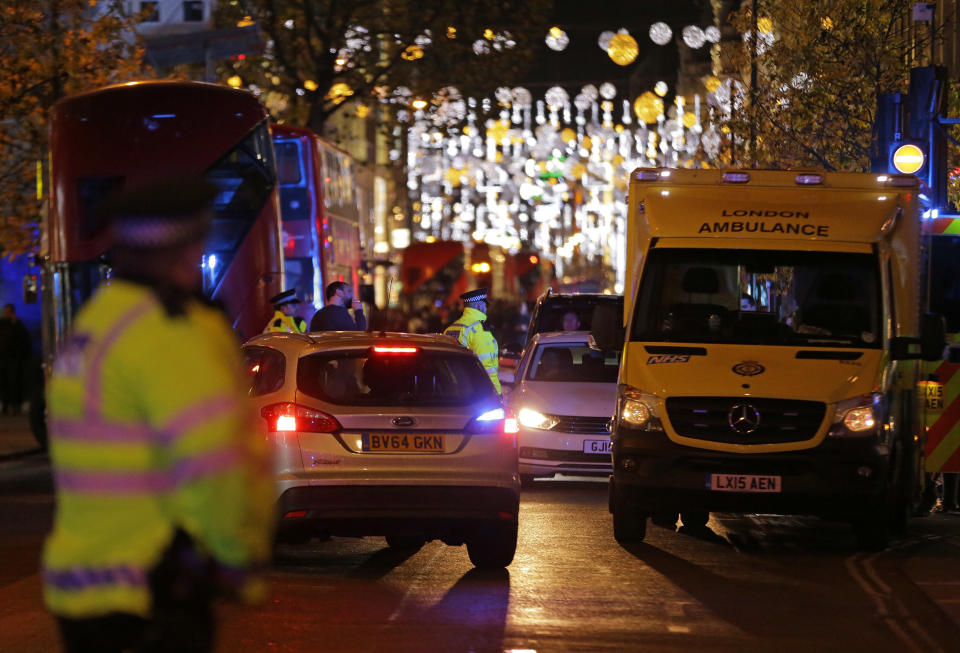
x=471, y=332
x=163, y=497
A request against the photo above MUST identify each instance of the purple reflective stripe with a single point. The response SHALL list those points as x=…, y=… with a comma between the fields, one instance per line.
x=92, y=390
x=107, y=482
x=96, y=430
x=83, y=577
x=208, y=464
x=197, y=414
x=183, y=471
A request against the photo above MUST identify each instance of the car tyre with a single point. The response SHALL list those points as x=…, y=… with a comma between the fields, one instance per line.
x=406, y=543
x=629, y=526
x=665, y=519
x=695, y=519
x=872, y=527
x=493, y=549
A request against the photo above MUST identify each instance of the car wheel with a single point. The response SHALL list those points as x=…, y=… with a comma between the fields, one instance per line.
x=494, y=549
x=872, y=527
x=695, y=519
x=527, y=481
x=628, y=525
x=666, y=519
x=406, y=543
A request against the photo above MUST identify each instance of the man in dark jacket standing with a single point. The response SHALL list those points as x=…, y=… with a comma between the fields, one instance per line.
x=335, y=316
x=14, y=354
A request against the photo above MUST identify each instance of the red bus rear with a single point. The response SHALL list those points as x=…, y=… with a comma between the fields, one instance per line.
x=319, y=211
x=128, y=134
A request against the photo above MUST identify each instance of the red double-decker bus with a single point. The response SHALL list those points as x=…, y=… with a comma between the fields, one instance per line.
x=125, y=135
x=319, y=207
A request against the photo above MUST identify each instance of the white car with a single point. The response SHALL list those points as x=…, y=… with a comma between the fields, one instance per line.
x=396, y=435
x=563, y=394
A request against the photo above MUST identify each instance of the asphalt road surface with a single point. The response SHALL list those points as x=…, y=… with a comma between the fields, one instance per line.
x=749, y=583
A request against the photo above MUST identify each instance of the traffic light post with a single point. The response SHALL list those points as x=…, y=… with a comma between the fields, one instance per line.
x=908, y=134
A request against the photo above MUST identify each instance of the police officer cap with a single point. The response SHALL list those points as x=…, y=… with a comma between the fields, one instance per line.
x=285, y=297
x=161, y=213
x=472, y=296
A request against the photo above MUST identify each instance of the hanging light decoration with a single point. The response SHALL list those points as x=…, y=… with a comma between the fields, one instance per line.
x=661, y=88
x=608, y=91
x=712, y=34
x=660, y=33
x=604, y=40
x=623, y=49
x=693, y=36
x=557, y=39
x=503, y=169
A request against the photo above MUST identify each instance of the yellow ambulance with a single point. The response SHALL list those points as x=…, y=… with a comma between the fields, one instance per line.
x=772, y=352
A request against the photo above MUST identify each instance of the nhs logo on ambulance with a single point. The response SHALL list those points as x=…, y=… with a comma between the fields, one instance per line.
x=668, y=358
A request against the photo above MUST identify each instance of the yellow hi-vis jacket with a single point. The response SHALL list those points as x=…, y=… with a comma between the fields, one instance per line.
x=469, y=332
x=281, y=323
x=149, y=433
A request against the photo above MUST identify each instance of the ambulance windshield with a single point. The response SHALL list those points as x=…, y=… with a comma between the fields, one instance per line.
x=821, y=299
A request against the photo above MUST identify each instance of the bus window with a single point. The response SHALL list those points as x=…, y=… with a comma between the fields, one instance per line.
x=289, y=172
x=245, y=177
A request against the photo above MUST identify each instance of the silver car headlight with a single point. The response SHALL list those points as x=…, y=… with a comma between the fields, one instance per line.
x=534, y=419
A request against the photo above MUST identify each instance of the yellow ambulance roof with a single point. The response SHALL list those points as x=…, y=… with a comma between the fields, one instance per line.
x=776, y=204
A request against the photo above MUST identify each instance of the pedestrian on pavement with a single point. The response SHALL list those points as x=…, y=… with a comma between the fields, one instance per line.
x=163, y=503
x=335, y=316
x=471, y=331
x=14, y=355
x=285, y=318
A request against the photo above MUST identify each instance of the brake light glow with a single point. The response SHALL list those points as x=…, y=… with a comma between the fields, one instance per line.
x=378, y=349
x=288, y=417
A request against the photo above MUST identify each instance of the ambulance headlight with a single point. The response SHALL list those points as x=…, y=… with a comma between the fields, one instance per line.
x=638, y=409
x=857, y=416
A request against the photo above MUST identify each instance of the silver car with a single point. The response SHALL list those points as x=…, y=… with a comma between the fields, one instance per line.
x=394, y=435
x=563, y=395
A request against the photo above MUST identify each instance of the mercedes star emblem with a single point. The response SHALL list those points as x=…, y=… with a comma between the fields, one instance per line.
x=743, y=418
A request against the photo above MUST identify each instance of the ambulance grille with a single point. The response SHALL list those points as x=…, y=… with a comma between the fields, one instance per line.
x=711, y=418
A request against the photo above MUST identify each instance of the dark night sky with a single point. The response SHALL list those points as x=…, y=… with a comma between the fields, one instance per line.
x=584, y=62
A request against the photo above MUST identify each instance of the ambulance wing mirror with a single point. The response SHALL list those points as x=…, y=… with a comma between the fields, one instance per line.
x=933, y=336
x=606, y=328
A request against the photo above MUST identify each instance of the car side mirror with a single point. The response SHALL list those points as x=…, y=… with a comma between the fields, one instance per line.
x=904, y=349
x=933, y=336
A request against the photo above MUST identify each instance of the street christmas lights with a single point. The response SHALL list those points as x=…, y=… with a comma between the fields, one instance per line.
x=548, y=173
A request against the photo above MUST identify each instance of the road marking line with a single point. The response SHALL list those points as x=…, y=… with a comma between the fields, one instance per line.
x=891, y=609
x=413, y=585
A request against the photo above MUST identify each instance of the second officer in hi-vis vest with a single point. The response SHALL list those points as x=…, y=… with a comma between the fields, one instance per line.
x=471, y=332
x=285, y=319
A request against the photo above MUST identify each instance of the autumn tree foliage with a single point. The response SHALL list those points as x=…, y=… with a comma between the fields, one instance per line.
x=820, y=66
x=50, y=49
x=320, y=53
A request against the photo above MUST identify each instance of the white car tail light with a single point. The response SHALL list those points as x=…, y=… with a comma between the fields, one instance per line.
x=288, y=416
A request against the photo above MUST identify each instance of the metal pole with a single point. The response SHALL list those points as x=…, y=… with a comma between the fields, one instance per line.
x=753, y=86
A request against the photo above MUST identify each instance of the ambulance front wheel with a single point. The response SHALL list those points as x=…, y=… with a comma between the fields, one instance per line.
x=629, y=525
